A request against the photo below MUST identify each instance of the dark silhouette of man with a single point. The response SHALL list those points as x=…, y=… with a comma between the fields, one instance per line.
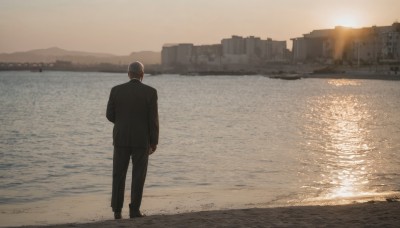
x=133, y=109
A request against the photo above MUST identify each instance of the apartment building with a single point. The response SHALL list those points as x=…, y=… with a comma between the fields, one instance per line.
x=176, y=55
x=230, y=53
x=360, y=45
x=207, y=55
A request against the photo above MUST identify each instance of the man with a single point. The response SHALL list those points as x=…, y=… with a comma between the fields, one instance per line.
x=133, y=109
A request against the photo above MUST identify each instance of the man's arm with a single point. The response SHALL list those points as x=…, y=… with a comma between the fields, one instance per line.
x=111, y=108
x=153, y=123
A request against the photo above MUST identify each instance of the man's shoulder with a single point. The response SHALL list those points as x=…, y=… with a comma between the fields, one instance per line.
x=128, y=85
x=120, y=86
x=149, y=88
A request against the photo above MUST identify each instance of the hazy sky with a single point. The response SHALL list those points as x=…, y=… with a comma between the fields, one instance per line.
x=123, y=26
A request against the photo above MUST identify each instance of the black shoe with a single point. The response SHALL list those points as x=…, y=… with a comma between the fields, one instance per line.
x=136, y=214
x=117, y=215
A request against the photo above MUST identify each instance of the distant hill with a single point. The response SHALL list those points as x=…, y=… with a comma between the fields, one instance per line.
x=52, y=54
x=147, y=57
x=55, y=51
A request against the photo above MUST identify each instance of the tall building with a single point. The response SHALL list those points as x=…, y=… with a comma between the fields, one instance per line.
x=278, y=51
x=184, y=54
x=234, y=46
x=169, y=55
x=253, y=47
x=173, y=55
x=365, y=45
x=252, y=50
x=390, y=39
x=232, y=53
x=208, y=56
x=299, y=49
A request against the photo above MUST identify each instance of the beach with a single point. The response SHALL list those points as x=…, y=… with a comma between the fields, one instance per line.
x=371, y=214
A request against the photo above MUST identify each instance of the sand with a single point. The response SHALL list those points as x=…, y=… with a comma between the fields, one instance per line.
x=372, y=214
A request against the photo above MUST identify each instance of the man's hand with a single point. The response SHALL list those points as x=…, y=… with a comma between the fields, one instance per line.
x=152, y=149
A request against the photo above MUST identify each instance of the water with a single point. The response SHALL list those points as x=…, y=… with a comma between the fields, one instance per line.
x=225, y=142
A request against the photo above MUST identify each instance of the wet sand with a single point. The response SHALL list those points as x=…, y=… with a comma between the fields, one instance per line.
x=372, y=214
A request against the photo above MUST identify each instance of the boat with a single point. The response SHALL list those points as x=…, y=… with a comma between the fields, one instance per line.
x=287, y=77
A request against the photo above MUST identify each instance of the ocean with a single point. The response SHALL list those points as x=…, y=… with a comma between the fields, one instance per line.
x=225, y=142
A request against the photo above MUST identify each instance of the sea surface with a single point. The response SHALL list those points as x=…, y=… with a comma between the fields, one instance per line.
x=225, y=142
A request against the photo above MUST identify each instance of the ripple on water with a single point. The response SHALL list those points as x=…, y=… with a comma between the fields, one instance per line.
x=306, y=138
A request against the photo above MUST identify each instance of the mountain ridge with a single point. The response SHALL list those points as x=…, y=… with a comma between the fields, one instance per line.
x=52, y=54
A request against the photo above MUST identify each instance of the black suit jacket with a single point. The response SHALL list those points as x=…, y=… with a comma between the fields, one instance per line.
x=133, y=109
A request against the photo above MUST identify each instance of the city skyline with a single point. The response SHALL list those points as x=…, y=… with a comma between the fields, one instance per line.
x=126, y=26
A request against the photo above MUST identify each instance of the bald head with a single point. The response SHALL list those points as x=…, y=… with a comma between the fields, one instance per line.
x=136, y=70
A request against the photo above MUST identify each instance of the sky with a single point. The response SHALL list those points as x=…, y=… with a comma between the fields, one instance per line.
x=124, y=26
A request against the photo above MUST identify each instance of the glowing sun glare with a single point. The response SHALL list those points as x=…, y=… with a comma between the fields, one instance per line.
x=346, y=21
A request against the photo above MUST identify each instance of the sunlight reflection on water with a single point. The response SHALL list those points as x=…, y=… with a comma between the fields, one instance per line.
x=346, y=147
x=349, y=169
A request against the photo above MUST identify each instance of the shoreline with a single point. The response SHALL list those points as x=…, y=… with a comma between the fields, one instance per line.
x=362, y=75
x=375, y=214
x=344, y=75
x=89, y=208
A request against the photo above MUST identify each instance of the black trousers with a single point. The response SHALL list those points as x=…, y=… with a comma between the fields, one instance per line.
x=140, y=158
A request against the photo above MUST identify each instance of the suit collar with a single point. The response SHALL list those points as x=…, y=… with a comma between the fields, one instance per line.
x=134, y=80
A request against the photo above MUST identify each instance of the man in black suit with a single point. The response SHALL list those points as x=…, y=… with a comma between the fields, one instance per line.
x=133, y=109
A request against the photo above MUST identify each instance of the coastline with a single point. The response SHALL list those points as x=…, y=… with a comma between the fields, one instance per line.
x=374, y=214
x=362, y=75
x=94, y=208
x=367, y=76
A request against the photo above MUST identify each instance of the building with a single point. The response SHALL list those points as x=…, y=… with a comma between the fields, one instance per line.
x=176, y=55
x=169, y=55
x=361, y=45
x=278, y=51
x=252, y=50
x=235, y=45
x=232, y=53
x=207, y=56
x=390, y=41
x=184, y=54
x=299, y=49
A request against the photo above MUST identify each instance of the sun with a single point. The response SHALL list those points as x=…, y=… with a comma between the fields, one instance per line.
x=346, y=21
